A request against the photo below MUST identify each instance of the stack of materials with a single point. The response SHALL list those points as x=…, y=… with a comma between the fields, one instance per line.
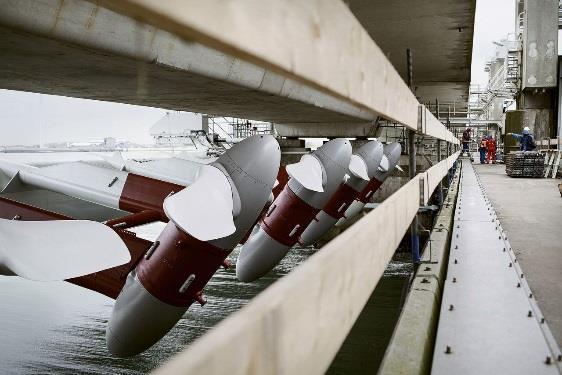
x=524, y=164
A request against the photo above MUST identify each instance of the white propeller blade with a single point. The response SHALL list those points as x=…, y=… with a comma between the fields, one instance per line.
x=384, y=164
x=308, y=172
x=116, y=161
x=204, y=209
x=58, y=250
x=358, y=167
x=399, y=168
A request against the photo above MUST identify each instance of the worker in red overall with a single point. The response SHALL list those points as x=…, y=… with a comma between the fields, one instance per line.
x=491, y=148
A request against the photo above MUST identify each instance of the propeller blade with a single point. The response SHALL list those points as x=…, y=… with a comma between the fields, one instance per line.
x=178, y=171
x=58, y=250
x=204, y=209
x=358, y=167
x=399, y=168
x=308, y=172
x=384, y=164
x=116, y=160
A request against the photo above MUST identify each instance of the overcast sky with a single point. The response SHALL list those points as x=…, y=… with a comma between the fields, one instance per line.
x=28, y=118
x=494, y=20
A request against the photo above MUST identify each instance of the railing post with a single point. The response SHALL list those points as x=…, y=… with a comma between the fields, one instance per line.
x=440, y=187
x=449, y=150
x=414, y=236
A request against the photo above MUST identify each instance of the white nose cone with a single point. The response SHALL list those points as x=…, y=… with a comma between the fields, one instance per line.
x=308, y=172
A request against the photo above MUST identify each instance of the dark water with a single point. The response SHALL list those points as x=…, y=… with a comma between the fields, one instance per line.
x=364, y=348
x=60, y=328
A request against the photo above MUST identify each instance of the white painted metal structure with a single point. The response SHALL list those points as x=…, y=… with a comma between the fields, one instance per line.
x=489, y=321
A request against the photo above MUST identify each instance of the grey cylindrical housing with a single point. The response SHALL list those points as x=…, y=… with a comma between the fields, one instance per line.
x=262, y=251
x=392, y=151
x=252, y=166
x=334, y=157
x=317, y=228
x=371, y=153
x=138, y=320
x=260, y=254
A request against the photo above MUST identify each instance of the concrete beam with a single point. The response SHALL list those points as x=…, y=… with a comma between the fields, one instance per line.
x=81, y=49
x=318, y=43
x=327, y=130
x=454, y=121
x=289, y=63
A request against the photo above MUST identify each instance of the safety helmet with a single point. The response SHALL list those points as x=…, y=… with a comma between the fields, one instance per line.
x=526, y=130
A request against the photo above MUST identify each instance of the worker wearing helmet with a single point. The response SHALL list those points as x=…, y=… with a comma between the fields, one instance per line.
x=526, y=140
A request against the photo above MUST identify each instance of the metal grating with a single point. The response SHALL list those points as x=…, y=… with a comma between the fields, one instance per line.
x=489, y=320
x=524, y=164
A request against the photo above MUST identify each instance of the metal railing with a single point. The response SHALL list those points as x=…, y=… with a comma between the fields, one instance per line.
x=233, y=129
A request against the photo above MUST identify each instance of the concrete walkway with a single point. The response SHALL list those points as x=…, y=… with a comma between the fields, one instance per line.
x=530, y=211
x=488, y=323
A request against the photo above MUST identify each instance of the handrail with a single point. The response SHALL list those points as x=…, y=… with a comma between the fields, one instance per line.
x=297, y=325
x=433, y=127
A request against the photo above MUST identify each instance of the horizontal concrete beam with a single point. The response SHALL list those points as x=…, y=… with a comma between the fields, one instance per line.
x=318, y=43
x=289, y=63
x=81, y=49
x=327, y=130
x=433, y=127
x=472, y=122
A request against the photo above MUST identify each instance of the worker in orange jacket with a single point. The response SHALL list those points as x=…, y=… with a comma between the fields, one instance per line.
x=491, y=146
